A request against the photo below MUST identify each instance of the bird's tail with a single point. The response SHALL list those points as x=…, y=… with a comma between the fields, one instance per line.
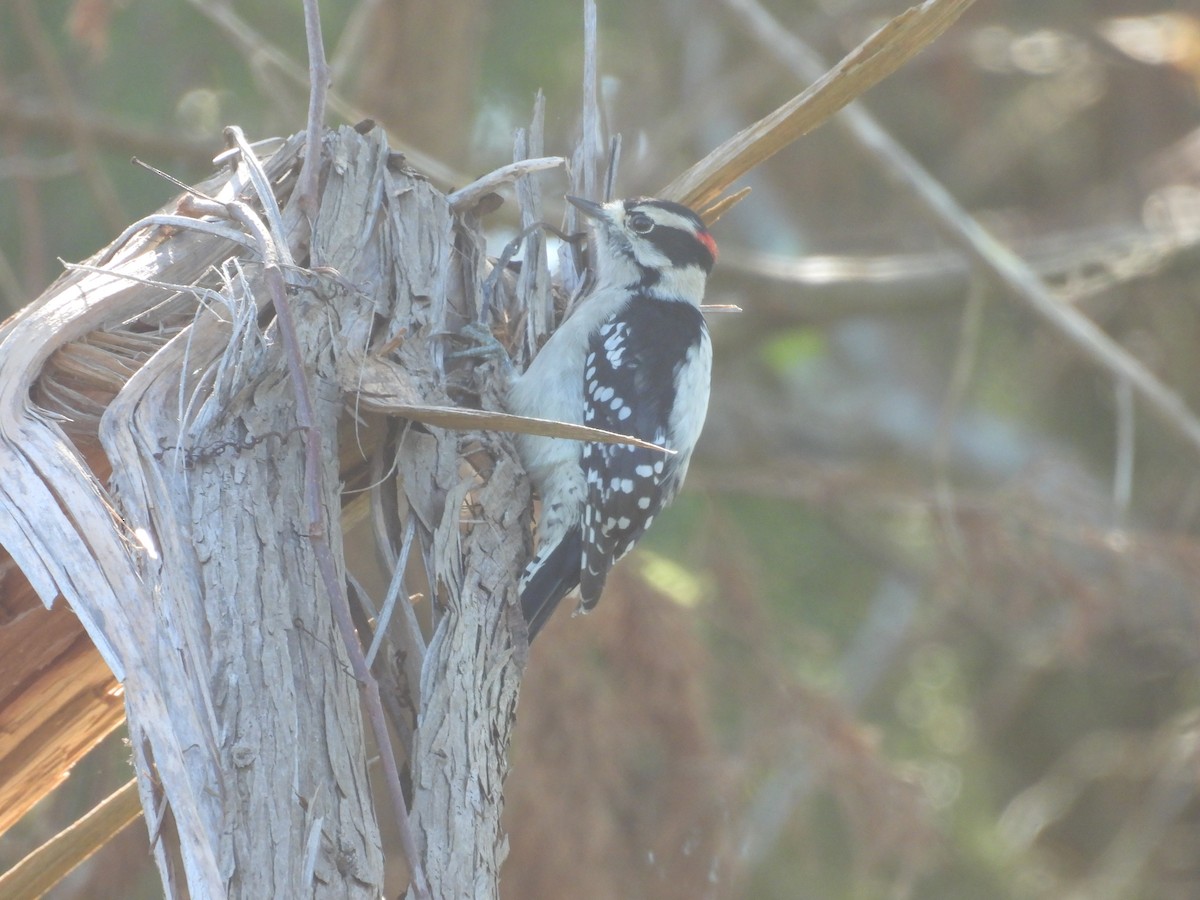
x=551, y=575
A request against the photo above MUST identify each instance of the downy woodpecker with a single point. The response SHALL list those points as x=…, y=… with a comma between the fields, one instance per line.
x=634, y=358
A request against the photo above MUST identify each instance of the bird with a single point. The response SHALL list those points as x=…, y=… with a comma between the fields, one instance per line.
x=633, y=357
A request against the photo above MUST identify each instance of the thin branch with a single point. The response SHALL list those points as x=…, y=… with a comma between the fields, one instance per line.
x=165, y=220
x=1111, y=257
x=466, y=197
x=262, y=187
x=29, y=213
x=591, y=144
x=318, y=90
x=18, y=166
x=12, y=292
x=1126, y=444
x=533, y=281
x=869, y=63
x=54, y=860
x=395, y=588
x=1145, y=824
x=965, y=359
x=348, y=52
x=588, y=153
x=1021, y=283
x=463, y=419
x=257, y=47
x=108, y=203
x=110, y=132
x=408, y=629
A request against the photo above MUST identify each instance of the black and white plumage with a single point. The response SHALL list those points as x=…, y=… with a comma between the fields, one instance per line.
x=634, y=358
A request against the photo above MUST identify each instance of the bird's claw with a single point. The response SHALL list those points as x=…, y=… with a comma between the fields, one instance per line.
x=486, y=346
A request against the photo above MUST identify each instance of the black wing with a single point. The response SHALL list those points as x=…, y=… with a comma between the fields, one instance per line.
x=630, y=383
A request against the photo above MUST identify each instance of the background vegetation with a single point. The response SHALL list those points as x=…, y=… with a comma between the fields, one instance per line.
x=925, y=622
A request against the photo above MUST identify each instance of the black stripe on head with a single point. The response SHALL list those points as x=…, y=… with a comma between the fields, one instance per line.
x=684, y=244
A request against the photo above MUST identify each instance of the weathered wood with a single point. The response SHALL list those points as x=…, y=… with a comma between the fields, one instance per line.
x=469, y=686
x=57, y=701
x=40, y=870
x=192, y=571
x=55, y=518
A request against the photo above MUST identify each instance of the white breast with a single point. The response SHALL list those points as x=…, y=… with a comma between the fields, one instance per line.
x=552, y=387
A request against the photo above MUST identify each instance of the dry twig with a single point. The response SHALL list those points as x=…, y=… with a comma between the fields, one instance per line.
x=46, y=866
x=318, y=91
x=108, y=204
x=257, y=48
x=1021, y=283
x=873, y=60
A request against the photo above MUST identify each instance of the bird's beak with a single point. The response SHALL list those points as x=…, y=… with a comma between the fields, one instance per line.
x=589, y=208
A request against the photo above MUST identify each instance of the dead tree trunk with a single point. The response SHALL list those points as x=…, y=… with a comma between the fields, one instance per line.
x=193, y=569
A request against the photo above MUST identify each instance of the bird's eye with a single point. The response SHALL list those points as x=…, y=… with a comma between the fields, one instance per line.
x=640, y=223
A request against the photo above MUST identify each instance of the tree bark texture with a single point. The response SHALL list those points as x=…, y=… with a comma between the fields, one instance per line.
x=192, y=569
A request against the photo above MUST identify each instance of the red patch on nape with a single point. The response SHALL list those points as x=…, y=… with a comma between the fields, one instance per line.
x=709, y=242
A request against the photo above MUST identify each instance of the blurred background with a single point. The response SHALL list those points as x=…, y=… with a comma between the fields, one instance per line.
x=924, y=623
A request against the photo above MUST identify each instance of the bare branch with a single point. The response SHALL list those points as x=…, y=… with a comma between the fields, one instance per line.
x=318, y=90
x=466, y=197
x=260, y=49
x=394, y=590
x=50, y=863
x=589, y=151
x=873, y=60
x=351, y=42
x=103, y=192
x=110, y=132
x=1021, y=283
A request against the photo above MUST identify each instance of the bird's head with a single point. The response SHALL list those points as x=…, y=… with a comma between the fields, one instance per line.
x=657, y=246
